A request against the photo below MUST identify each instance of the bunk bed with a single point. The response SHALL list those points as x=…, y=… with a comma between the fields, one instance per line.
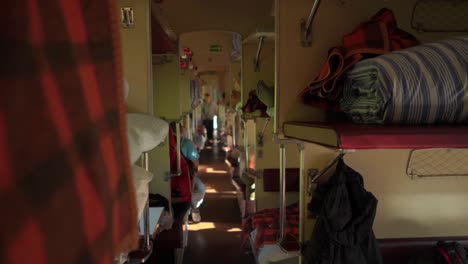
x=263, y=228
x=330, y=134
x=144, y=133
x=390, y=104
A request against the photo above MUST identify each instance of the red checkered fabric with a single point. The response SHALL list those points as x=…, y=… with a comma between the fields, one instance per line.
x=267, y=224
x=66, y=194
x=378, y=36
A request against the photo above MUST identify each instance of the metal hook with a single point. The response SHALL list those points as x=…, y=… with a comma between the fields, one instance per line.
x=257, y=57
x=307, y=24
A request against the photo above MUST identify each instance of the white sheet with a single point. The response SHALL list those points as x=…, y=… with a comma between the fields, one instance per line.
x=144, y=133
x=273, y=254
x=141, y=178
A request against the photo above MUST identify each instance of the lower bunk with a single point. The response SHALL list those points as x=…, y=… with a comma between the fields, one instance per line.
x=262, y=231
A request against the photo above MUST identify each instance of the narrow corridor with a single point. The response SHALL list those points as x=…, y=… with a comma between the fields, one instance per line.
x=217, y=238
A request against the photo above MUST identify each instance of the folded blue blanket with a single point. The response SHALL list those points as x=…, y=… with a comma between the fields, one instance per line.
x=426, y=84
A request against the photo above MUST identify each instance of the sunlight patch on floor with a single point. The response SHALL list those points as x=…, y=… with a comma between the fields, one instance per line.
x=210, y=190
x=201, y=226
x=211, y=170
x=232, y=230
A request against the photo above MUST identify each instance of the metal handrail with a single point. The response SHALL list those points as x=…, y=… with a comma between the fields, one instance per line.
x=259, y=50
x=283, y=241
x=307, y=24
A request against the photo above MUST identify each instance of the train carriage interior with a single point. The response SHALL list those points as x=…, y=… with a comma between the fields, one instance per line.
x=257, y=132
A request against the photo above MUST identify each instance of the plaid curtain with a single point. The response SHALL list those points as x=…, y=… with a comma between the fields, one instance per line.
x=66, y=194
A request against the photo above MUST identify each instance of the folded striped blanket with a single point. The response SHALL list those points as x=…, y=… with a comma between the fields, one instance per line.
x=426, y=84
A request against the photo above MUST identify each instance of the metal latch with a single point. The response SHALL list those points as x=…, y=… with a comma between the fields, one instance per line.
x=126, y=17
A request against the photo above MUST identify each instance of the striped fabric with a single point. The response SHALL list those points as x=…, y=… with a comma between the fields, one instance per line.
x=427, y=84
x=66, y=191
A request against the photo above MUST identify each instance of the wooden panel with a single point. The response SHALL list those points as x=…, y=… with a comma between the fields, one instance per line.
x=166, y=87
x=271, y=180
x=136, y=51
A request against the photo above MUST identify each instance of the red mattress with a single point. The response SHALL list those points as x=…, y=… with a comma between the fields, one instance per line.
x=267, y=224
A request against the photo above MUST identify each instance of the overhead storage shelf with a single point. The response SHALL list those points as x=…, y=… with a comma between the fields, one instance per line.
x=364, y=136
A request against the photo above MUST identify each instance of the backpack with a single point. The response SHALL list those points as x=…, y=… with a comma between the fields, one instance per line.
x=451, y=253
x=442, y=253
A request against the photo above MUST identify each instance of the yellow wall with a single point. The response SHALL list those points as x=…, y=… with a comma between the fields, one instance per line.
x=411, y=208
x=199, y=43
x=136, y=47
x=185, y=99
x=166, y=88
x=160, y=167
x=406, y=207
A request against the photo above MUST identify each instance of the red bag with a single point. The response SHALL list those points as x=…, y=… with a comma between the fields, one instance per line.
x=375, y=37
x=181, y=190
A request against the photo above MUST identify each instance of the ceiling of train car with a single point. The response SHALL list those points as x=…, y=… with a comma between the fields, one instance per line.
x=243, y=16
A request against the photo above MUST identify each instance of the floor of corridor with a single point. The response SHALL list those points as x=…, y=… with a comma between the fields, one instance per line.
x=217, y=238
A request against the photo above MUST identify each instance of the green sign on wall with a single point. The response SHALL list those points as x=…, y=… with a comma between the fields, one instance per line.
x=216, y=48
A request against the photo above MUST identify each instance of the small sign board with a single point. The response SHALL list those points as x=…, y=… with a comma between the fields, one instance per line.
x=216, y=48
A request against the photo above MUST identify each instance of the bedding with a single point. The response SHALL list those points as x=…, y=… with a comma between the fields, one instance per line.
x=426, y=84
x=144, y=133
x=265, y=93
x=270, y=254
x=141, y=178
x=266, y=224
x=375, y=37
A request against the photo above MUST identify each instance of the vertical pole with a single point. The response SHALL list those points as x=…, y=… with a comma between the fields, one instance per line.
x=282, y=191
x=246, y=145
x=178, y=147
x=146, y=210
x=234, y=128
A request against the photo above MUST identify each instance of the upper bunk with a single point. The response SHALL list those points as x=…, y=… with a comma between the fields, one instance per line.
x=300, y=66
x=368, y=136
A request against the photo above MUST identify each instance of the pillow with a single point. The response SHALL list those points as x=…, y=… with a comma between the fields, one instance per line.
x=141, y=178
x=266, y=94
x=144, y=132
x=271, y=111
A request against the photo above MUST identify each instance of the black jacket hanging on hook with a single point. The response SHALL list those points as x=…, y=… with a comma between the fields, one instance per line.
x=343, y=230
